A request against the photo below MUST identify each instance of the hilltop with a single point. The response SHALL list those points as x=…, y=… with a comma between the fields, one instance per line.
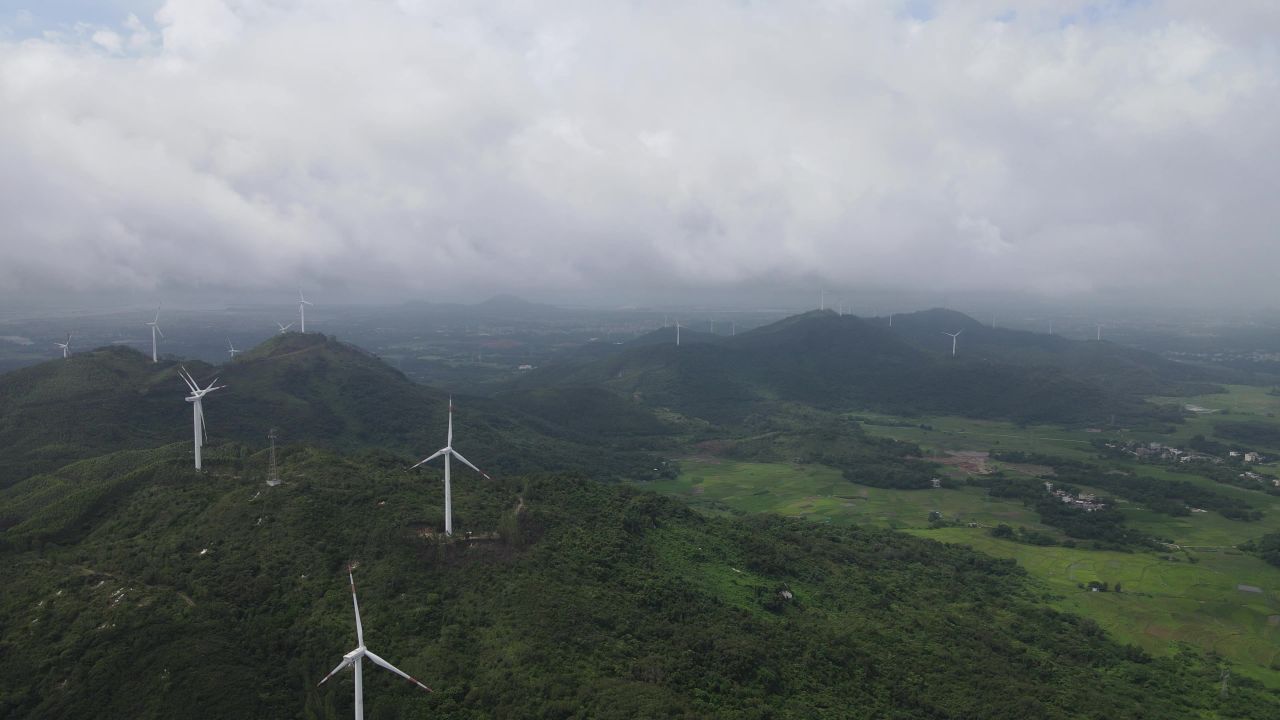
x=313, y=388
x=132, y=586
x=842, y=363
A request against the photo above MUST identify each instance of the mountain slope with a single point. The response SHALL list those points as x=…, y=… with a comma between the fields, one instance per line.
x=840, y=363
x=314, y=389
x=207, y=596
x=1115, y=367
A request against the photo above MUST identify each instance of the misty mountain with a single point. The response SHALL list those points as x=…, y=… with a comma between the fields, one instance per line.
x=844, y=363
x=311, y=388
x=1118, y=368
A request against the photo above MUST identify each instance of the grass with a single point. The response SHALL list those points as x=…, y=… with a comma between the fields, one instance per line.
x=1190, y=598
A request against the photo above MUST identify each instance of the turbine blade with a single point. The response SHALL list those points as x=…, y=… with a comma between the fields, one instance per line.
x=186, y=378
x=437, y=454
x=356, y=605
x=379, y=661
x=159, y=330
x=449, y=442
x=468, y=464
x=346, y=661
x=204, y=429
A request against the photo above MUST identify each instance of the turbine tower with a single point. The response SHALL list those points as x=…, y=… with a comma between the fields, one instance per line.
x=356, y=657
x=231, y=350
x=953, y=337
x=197, y=408
x=155, y=328
x=447, y=452
x=65, y=346
x=1099, y=331
x=284, y=328
x=302, y=311
x=677, y=333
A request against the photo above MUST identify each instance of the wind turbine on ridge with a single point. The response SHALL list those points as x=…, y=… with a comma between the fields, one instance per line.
x=953, y=337
x=302, y=311
x=448, y=452
x=284, y=328
x=155, y=328
x=231, y=350
x=355, y=658
x=197, y=408
x=65, y=346
x=677, y=332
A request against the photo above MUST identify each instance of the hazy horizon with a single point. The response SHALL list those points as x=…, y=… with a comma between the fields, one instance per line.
x=1075, y=154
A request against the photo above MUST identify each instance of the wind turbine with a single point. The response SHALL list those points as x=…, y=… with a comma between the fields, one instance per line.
x=1099, y=331
x=302, y=311
x=284, y=328
x=953, y=341
x=447, y=451
x=355, y=658
x=197, y=409
x=231, y=349
x=890, y=319
x=677, y=332
x=65, y=346
x=155, y=328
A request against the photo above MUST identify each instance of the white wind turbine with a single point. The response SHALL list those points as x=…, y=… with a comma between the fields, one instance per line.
x=355, y=658
x=677, y=332
x=447, y=452
x=284, y=328
x=197, y=408
x=231, y=350
x=953, y=337
x=155, y=328
x=302, y=311
x=65, y=346
x=1099, y=331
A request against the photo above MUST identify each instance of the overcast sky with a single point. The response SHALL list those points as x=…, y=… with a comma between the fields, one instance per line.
x=1055, y=148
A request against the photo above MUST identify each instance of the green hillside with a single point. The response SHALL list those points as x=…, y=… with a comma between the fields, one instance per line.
x=1117, y=368
x=314, y=389
x=176, y=594
x=840, y=363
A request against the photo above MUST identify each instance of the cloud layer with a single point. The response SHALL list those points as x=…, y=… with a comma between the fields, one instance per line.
x=1063, y=149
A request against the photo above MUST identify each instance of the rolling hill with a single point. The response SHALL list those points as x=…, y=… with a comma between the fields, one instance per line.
x=314, y=389
x=844, y=362
x=171, y=593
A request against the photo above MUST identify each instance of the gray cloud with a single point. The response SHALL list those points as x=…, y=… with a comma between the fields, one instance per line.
x=1066, y=149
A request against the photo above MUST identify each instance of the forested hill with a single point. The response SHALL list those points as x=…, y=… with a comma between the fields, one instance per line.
x=313, y=388
x=133, y=587
x=1118, y=368
x=843, y=362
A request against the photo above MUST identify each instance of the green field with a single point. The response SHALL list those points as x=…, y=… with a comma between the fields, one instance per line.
x=1193, y=597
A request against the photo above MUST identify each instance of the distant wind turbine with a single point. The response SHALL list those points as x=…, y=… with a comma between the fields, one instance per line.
x=677, y=332
x=197, y=408
x=66, y=346
x=302, y=311
x=1099, y=331
x=1050, y=327
x=231, y=350
x=355, y=658
x=155, y=328
x=284, y=328
x=890, y=319
x=448, y=452
x=953, y=337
